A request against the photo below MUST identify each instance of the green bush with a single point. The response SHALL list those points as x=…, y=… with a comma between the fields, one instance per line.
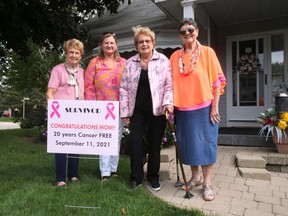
x=35, y=117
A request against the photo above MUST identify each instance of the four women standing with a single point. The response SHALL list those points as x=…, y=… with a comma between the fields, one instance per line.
x=146, y=93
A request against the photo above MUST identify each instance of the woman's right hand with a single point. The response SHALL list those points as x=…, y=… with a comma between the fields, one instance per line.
x=50, y=93
x=126, y=121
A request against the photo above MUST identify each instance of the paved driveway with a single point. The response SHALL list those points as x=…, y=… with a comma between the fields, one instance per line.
x=9, y=125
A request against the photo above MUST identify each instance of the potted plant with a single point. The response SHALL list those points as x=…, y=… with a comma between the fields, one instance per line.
x=275, y=124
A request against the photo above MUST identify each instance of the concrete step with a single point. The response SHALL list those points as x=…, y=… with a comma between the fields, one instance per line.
x=167, y=155
x=250, y=161
x=165, y=160
x=244, y=140
x=252, y=166
x=255, y=173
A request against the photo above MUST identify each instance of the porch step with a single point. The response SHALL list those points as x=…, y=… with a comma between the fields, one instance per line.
x=250, y=161
x=244, y=140
x=243, y=136
x=252, y=166
x=255, y=173
x=166, y=158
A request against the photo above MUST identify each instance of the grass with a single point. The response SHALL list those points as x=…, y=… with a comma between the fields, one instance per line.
x=6, y=119
x=27, y=185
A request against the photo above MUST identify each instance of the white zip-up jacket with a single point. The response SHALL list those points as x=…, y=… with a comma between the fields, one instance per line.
x=160, y=80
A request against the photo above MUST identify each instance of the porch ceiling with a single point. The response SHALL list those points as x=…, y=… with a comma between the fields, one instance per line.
x=229, y=12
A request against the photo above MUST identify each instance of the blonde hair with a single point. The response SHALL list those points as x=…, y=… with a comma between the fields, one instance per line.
x=106, y=35
x=139, y=30
x=74, y=43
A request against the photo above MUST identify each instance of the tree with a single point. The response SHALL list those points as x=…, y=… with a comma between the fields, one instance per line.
x=9, y=99
x=32, y=72
x=32, y=33
x=27, y=78
x=47, y=22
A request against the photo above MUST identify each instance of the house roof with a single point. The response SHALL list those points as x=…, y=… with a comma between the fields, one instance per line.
x=139, y=12
x=163, y=16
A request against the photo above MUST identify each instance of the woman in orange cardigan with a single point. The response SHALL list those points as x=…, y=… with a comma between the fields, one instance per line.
x=198, y=82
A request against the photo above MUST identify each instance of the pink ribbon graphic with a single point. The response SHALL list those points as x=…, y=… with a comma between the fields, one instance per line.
x=110, y=111
x=55, y=106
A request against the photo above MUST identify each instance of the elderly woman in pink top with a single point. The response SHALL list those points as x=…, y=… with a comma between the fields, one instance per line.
x=102, y=81
x=145, y=95
x=67, y=82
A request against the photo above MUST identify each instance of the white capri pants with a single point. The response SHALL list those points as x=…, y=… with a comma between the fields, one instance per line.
x=109, y=163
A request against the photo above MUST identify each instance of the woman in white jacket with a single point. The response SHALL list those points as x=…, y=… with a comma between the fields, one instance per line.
x=145, y=95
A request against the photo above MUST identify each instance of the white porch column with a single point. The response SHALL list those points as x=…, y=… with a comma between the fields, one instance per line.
x=188, y=9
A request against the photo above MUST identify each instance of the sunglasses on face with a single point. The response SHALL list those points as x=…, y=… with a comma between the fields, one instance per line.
x=183, y=31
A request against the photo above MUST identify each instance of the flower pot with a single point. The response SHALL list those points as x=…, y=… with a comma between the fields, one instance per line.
x=282, y=146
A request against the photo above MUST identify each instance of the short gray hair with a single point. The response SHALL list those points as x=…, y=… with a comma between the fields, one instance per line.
x=139, y=30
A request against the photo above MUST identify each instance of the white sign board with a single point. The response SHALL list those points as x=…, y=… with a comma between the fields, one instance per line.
x=83, y=127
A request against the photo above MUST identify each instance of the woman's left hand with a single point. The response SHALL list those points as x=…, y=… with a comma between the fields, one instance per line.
x=168, y=108
x=214, y=115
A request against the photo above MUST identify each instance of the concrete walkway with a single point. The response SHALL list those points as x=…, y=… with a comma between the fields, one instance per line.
x=9, y=125
x=235, y=195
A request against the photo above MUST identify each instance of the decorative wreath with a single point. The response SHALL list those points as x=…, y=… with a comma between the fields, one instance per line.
x=248, y=64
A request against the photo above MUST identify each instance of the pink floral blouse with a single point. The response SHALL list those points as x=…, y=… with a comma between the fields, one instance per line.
x=102, y=82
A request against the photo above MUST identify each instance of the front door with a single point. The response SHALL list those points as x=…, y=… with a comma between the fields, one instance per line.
x=256, y=66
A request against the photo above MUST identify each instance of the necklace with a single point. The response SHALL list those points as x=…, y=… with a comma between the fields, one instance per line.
x=192, y=63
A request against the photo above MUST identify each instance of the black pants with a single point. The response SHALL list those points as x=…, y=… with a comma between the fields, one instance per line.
x=72, y=169
x=155, y=130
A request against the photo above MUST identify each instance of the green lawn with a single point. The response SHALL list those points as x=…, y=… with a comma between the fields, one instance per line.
x=27, y=185
x=6, y=119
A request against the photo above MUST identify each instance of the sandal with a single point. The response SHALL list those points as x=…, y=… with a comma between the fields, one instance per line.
x=61, y=184
x=193, y=183
x=208, y=193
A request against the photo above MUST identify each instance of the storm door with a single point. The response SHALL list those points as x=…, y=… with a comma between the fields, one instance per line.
x=248, y=92
x=256, y=70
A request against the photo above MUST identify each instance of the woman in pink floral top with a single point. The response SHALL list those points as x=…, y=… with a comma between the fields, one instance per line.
x=102, y=81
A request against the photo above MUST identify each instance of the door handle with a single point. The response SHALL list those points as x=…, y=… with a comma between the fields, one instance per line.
x=265, y=79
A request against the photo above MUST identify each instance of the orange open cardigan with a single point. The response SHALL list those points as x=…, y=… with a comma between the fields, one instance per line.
x=196, y=88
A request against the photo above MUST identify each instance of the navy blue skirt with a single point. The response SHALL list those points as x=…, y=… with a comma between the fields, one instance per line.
x=196, y=137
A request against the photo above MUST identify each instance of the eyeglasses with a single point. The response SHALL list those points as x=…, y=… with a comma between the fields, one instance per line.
x=144, y=41
x=183, y=31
